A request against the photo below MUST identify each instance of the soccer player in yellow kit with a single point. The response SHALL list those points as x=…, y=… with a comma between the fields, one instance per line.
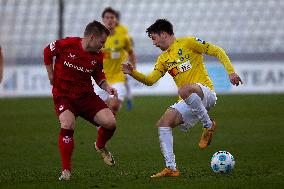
x=122, y=29
x=182, y=59
x=118, y=49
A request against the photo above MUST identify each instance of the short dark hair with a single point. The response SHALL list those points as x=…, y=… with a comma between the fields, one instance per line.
x=160, y=25
x=110, y=10
x=96, y=28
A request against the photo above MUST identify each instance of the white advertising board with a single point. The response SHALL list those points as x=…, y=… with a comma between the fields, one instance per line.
x=264, y=77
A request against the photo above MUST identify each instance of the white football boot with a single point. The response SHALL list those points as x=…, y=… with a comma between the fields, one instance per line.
x=65, y=175
x=106, y=155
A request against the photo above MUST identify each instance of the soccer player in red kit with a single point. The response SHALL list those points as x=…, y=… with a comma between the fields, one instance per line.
x=76, y=61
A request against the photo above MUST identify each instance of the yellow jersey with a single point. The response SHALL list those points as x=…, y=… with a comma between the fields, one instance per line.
x=183, y=60
x=116, y=51
x=121, y=29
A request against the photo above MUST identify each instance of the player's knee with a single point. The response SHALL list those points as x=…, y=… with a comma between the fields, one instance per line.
x=67, y=124
x=185, y=91
x=109, y=124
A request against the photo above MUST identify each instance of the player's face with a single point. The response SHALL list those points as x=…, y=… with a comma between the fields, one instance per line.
x=159, y=41
x=96, y=42
x=110, y=20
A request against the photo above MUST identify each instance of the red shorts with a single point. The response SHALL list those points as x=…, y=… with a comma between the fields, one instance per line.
x=86, y=106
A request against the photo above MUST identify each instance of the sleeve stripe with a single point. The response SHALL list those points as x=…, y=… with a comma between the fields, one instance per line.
x=207, y=48
x=159, y=71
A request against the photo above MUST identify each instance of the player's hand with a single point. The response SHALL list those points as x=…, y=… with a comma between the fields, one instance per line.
x=235, y=79
x=112, y=91
x=127, y=68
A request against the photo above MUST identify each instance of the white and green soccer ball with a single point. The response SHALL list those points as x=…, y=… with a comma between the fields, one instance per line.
x=222, y=162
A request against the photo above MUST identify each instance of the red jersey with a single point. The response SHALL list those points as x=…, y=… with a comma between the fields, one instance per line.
x=73, y=67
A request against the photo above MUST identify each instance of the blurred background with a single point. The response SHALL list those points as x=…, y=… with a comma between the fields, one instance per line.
x=250, y=119
x=251, y=32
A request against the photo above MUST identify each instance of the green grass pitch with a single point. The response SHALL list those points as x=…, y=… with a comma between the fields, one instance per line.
x=251, y=127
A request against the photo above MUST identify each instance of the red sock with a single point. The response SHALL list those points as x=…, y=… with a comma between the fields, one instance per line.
x=103, y=136
x=66, y=146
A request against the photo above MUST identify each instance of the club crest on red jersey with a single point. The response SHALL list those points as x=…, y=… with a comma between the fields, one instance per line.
x=93, y=62
x=61, y=107
x=72, y=56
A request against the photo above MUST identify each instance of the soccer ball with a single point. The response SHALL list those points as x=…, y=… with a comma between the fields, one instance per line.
x=222, y=162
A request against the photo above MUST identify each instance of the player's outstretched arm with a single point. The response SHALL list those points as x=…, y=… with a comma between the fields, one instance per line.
x=224, y=59
x=211, y=50
x=218, y=52
x=148, y=80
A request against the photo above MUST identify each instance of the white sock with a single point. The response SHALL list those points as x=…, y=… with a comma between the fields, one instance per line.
x=195, y=103
x=166, y=144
